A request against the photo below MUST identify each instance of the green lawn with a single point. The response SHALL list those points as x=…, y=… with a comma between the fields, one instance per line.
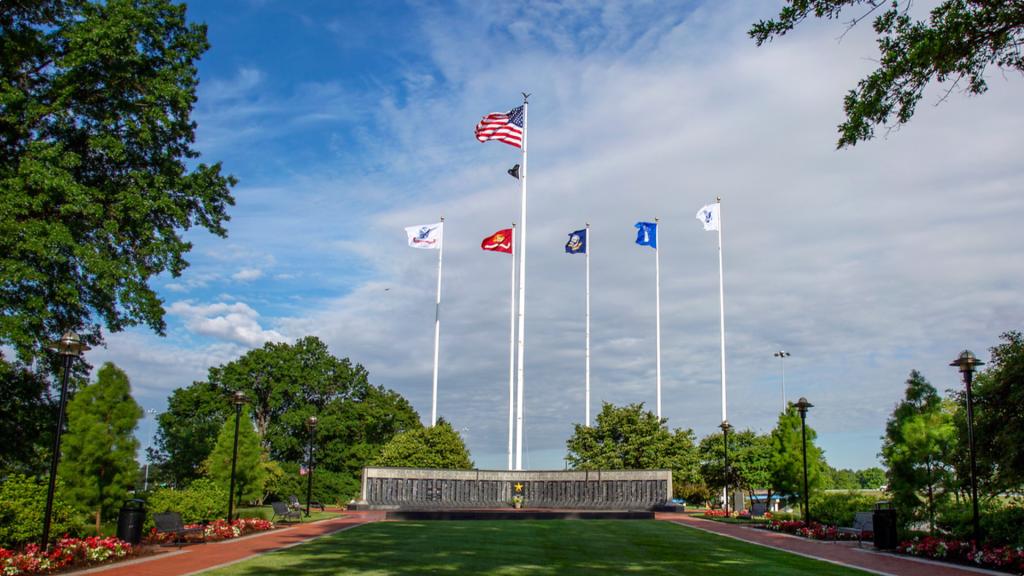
x=523, y=547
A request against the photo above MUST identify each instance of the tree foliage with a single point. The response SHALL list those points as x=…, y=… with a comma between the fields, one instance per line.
x=919, y=438
x=750, y=460
x=188, y=429
x=98, y=452
x=999, y=420
x=97, y=167
x=631, y=438
x=957, y=43
x=439, y=446
x=250, y=473
x=27, y=420
x=787, y=471
x=22, y=505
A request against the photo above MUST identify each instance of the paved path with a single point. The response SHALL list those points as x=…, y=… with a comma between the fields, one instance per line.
x=199, y=557
x=845, y=553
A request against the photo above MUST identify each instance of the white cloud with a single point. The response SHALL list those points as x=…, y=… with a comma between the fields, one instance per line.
x=235, y=322
x=247, y=274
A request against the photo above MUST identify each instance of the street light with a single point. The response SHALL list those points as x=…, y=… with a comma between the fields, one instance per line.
x=725, y=426
x=311, y=424
x=70, y=346
x=238, y=399
x=967, y=363
x=802, y=405
x=782, y=355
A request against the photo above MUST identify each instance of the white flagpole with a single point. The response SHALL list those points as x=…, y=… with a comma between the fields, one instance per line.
x=721, y=306
x=512, y=352
x=522, y=298
x=657, y=313
x=437, y=328
x=587, y=399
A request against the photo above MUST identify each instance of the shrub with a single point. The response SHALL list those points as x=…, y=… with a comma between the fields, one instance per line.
x=201, y=500
x=329, y=486
x=840, y=508
x=22, y=506
x=1000, y=523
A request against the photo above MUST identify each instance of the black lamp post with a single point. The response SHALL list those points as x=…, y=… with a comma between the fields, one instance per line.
x=69, y=346
x=802, y=405
x=967, y=363
x=725, y=426
x=238, y=399
x=311, y=424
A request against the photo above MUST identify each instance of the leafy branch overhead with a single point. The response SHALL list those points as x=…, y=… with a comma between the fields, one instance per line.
x=957, y=43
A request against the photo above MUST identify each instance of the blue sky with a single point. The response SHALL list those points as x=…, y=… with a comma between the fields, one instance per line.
x=347, y=121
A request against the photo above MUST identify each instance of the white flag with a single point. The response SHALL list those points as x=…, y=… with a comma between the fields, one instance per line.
x=426, y=236
x=708, y=216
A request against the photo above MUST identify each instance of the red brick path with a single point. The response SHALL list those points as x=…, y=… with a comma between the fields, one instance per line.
x=845, y=553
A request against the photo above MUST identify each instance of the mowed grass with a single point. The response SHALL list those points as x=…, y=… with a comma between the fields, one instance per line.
x=525, y=547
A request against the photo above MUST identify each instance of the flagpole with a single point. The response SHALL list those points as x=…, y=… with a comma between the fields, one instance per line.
x=587, y=395
x=721, y=306
x=512, y=352
x=437, y=328
x=522, y=297
x=657, y=313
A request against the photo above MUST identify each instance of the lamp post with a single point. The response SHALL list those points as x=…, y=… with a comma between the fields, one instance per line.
x=238, y=399
x=311, y=424
x=802, y=405
x=782, y=355
x=967, y=363
x=725, y=426
x=70, y=346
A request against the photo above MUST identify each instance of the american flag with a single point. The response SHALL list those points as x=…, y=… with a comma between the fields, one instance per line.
x=503, y=127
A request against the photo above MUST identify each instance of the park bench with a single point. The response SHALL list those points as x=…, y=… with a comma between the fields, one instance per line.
x=863, y=525
x=170, y=523
x=285, y=512
x=293, y=502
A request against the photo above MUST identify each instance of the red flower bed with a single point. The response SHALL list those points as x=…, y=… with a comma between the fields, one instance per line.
x=814, y=531
x=67, y=553
x=217, y=530
x=1009, y=558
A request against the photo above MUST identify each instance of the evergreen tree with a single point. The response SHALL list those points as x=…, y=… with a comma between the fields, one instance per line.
x=187, y=430
x=250, y=468
x=98, y=452
x=919, y=437
x=439, y=446
x=787, y=469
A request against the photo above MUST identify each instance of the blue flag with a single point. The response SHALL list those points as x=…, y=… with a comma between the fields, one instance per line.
x=647, y=234
x=577, y=243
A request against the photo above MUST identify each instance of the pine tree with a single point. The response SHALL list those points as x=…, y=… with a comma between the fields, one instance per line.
x=98, y=466
x=787, y=464
x=250, y=472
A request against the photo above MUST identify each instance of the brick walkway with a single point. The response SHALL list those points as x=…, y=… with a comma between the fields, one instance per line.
x=844, y=553
x=198, y=557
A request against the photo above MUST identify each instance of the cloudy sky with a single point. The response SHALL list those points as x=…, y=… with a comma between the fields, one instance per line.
x=346, y=122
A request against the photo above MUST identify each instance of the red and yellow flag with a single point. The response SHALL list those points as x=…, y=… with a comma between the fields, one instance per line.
x=500, y=241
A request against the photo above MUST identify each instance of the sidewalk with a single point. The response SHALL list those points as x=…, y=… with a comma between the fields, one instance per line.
x=199, y=557
x=844, y=553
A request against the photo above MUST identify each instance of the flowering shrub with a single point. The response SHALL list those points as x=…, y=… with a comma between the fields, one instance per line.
x=217, y=530
x=709, y=513
x=1009, y=558
x=814, y=531
x=67, y=553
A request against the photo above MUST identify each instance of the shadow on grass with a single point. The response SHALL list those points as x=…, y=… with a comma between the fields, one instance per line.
x=521, y=547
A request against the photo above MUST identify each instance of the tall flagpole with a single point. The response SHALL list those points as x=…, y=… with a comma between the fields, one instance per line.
x=437, y=327
x=657, y=313
x=721, y=306
x=522, y=297
x=586, y=256
x=512, y=352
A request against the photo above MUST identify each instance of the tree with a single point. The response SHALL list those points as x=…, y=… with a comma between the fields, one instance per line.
x=871, y=478
x=26, y=419
x=187, y=430
x=250, y=470
x=918, y=439
x=438, y=446
x=787, y=470
x=98, y=466
x=960, y=40
x=749, y=462
x=98, y=178
x=631, y=438
x=999, y=423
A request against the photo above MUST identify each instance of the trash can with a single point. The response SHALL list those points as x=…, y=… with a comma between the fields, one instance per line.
x=130, y=519
x=884, y=526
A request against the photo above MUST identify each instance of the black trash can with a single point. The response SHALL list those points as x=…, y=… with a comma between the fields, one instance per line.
x=884, y=525
x=130, y=520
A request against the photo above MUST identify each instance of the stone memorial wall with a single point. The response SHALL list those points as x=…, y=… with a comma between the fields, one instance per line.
x=421, y=489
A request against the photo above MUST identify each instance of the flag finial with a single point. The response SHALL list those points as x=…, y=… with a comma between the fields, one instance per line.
x=526, y=96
